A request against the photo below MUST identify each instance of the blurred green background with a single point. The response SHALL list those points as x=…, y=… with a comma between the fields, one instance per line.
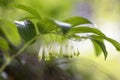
x=103, y=13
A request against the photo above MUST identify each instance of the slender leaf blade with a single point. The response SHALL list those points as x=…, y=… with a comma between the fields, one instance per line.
x=100, y=43
x=74, y=21
x=115, y=43
x=97, y=48
x=84, y=29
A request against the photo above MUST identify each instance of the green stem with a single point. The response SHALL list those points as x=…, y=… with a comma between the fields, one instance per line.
x=3, y=67
x=7, y=60
x=23, y=48
x=18, y=53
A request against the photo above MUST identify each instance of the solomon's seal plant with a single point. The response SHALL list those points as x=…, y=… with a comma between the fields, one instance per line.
x=55, y=38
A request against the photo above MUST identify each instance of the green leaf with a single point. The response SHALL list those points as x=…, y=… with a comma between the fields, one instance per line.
x=97, y=48
x=74, y=21
x=3, y=44
x=64, y=26
x=115, y=43
x=46, y=25
x=9, y=30
x=84, y=29
x=28, y=9
x=26, y=30
x=99, y=43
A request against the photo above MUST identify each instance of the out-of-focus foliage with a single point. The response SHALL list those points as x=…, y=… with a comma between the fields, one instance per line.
x=5, y=3
x=50, y=8
x=10, y=32
x=90, y=70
